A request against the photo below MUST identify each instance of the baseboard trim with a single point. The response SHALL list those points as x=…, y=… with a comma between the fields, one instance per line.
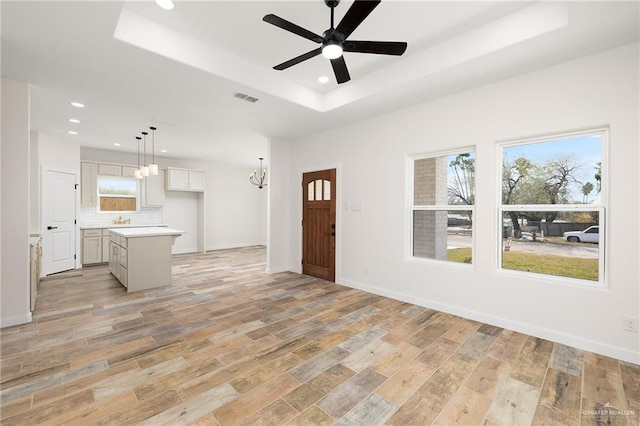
x=532, y=330
x=23, y=319
x=277, y=270
x=185, y=251
x=231, y=246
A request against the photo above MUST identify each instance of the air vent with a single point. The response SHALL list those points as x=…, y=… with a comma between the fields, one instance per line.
x=245, y=97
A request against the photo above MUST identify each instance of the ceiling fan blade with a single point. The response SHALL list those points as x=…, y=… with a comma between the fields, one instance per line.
x=340, y=70
x=377, y=47
x=357, y=13
x=298, y=59
x=291, y=27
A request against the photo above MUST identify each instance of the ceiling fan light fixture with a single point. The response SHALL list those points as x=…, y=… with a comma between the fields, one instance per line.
x=332, y=49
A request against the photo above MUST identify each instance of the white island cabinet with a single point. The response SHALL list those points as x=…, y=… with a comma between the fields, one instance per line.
x=140, y=258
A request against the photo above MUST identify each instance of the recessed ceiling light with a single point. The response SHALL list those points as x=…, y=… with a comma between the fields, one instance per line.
x=323, y=79
x=165, y=4
x=71, y=132
x=163, y=150
x=74, y=120
x=117, y=144
x=77, y=104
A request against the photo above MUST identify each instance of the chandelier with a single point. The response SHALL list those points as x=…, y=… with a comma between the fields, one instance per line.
x=258, y=179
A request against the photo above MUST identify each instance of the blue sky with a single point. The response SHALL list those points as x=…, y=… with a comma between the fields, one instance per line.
x=129, y=185
x=583, y=150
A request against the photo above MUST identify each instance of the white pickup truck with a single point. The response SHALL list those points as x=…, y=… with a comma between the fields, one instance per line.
x=589, y=235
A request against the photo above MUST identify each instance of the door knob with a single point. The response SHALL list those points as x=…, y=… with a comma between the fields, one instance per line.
x=52, y=227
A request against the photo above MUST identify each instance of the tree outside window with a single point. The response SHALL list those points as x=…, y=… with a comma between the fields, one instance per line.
x=549, y=187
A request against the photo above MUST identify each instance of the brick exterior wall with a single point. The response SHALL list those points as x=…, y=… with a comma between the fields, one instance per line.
x=430, y=227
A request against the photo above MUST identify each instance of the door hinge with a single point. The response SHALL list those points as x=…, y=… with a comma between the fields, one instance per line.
x=75, y=222
x=75, y=186
x=74, y=256
x=302, y=222
x=302, y=261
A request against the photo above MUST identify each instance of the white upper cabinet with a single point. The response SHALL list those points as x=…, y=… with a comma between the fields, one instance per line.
x=88, y=184
x=109, y=170
x=196, y=181
x=185, y=180
x=128, y=171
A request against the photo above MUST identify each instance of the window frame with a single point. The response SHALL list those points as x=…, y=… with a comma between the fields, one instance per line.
x=601, y=207
x=412, y=208
x=119, y=178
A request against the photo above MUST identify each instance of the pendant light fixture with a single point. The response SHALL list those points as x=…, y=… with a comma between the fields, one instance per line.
x=258, y=179
x=138, y=174
x=153, y=167
x=144, y=170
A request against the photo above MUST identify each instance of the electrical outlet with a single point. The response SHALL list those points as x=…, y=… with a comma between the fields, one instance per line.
x=630, y=324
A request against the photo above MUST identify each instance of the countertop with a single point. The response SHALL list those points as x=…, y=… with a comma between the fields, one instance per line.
x=120, y=225
x=150, y=231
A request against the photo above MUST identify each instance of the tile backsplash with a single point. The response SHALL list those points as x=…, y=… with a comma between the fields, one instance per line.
x=147, y=216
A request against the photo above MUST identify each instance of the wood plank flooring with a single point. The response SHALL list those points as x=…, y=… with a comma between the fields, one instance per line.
x=227, y=344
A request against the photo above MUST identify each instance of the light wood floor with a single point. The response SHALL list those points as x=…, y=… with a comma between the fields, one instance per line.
x=227, y=344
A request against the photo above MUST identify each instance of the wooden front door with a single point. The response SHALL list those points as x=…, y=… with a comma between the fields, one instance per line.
x=319, y=224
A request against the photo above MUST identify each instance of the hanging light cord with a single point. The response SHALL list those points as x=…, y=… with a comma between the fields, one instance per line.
x=144, y=135
x=138, y=138
x=153, y=144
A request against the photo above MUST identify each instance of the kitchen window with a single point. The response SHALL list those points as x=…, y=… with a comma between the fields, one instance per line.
x=117, y=194
x=442, y=205
x=552, y=199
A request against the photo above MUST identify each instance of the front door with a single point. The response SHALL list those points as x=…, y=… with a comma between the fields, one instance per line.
x=58, y=221
x=319, y=224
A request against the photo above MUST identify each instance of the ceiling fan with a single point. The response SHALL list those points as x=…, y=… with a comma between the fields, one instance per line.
x=334, y=40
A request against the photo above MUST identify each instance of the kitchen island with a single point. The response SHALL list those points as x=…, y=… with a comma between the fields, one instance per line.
x=140, y=258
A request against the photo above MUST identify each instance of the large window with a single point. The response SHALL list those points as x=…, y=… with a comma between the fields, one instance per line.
x=552, y=209
x=117, y=194
x=442, y=206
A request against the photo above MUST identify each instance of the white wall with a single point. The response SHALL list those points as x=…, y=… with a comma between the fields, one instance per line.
x=14, y=229
x=279, y=209
x=34, y=180
x=593, y=91
x=236, y=211
x=181, y=211
x=63, y=154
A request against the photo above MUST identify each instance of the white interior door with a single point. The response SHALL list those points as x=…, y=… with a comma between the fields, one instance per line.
x=58, y=221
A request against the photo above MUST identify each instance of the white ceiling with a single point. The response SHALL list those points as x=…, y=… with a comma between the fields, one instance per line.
x=135, y=65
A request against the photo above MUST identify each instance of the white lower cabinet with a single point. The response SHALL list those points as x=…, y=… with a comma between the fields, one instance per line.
x=95, y=246
x=91, y=250
x=124, y=276
x=142, y=259
x=118, y=260
x=91, y=246
x=114, y=259
x=105, y=246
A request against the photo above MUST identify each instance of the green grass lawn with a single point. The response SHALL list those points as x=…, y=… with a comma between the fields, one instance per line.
x=571, y=267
